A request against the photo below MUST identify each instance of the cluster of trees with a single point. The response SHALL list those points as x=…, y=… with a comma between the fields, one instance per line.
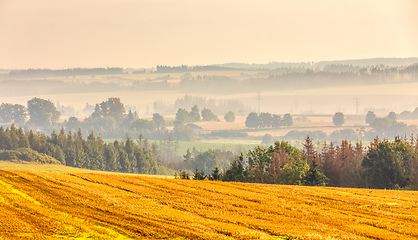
x=13, y=113
x=405, y=115
x=371, y=117
x=267, y=120
x=218, y=106
x=278, y=164
x=205, y=161
x=183, y=116
x=42, y=113
x=91, y=153
x=384, y=164
x=110, y=120
x=386, y=127
x=382, y=127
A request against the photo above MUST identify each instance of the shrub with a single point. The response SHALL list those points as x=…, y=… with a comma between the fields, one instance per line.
x=27, y=154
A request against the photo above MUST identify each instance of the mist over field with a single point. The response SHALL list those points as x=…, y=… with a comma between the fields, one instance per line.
x=313, y=88
x=231, y=111
x=237, y=74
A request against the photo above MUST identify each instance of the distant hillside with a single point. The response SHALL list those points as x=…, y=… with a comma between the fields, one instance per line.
x=267, y=66
x=40, y=205
x=389, y=62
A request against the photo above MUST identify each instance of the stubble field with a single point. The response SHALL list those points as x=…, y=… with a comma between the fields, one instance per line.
x=102, y=206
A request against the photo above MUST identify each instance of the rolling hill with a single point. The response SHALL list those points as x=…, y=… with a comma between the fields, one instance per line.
x=46, y=205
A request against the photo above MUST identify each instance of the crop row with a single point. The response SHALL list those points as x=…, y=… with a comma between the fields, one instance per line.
x=120, y=206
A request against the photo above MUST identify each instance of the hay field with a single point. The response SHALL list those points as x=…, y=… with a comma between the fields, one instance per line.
x=83, y=205
x=57, y=168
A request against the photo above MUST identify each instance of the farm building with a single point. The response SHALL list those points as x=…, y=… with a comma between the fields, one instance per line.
x=196, y=129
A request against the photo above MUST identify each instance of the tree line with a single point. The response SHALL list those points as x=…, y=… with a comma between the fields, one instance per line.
x=218, y=106
x=109, y=119
x=384, y=164
x=267, y=120
x=42, y=73
x=71, y=149
x=280, y=78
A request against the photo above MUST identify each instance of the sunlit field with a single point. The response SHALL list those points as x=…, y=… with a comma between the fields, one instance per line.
x=57, y=168
x=101, y=206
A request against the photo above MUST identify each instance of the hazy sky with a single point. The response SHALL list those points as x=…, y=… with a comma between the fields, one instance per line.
x=145, y=33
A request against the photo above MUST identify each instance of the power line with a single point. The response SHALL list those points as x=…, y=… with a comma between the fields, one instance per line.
x=357, y=106
x=259, y=101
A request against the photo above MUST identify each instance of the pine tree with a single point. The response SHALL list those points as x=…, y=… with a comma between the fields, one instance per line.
x=14, y=137
x=314, y=176
x=4, y=139
x=111, y=158
x=216, y=174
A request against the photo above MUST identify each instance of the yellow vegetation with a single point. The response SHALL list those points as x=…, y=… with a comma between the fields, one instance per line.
x=104, y=206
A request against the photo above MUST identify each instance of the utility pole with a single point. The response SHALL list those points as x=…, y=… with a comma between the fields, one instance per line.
x=259, y=101
x=357, y=105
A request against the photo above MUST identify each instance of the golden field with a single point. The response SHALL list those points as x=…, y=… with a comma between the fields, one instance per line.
x=47, y=205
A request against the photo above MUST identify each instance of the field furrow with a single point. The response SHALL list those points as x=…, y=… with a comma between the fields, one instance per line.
x=105, y=206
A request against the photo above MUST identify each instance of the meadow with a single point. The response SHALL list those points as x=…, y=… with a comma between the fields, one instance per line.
x=47, y=205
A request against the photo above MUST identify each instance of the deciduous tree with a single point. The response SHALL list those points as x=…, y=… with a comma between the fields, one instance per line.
x=370, y=117
x=252, y=120
x=287, y=120
x=42, y=112
x=338, y=119
x=229, y=117
x=195, y=114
